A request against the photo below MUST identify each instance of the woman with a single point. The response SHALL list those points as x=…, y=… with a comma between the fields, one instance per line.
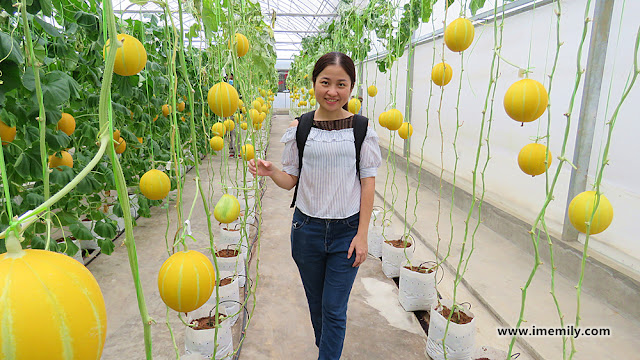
x=333, y=206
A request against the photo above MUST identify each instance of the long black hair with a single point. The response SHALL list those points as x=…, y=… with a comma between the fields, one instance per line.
x=335, y=58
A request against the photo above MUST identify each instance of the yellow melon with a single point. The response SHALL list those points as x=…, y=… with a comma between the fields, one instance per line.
x=248, y=152
x=242, y=45
x=131, y=58
x=229, y=125
x=216, y=143
x=459, y=34
x=7, y=133
x=223, y=99
x=406, y=130
x=58, y=294
x=55, y=162
x=227, y=209
x=531, y=159
x=155, y=184
x=218, y=129
x=581, y=209
x=441, y=74
x=354, y=106
x=67, y=124
x=186, y=280
x=394, y=119
x=526, y=100
x=372, y=90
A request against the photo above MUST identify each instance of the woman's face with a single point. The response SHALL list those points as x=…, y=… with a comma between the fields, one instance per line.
x=332, y=88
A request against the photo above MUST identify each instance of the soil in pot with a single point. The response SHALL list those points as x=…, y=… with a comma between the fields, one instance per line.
x=205, y=323
x=483, y=359
x=227, y=253
x=398, y=243
x=459, y=317
x=226, y=281
x=420, y=269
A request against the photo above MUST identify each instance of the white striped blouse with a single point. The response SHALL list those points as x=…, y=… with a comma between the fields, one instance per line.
x=329, y=187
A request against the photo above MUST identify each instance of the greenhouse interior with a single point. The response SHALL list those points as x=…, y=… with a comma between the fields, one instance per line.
x=462, y=197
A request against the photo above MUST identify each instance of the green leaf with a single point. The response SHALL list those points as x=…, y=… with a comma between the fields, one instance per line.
x=33, y=200
x=57, y=140
x=426, y=10
x=476, y=5
x=68, y=247
x=80, y=232
x=62, y=175
x=106, y=246
x=143, y=209
x=105, y=229
x=29, y=165
x=37, y=242
x=88, y=185
x=64, y=218
x=10, y=49
x=48, y=28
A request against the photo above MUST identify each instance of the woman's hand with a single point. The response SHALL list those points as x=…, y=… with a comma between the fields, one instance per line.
x=263, y=168
x=360, y=247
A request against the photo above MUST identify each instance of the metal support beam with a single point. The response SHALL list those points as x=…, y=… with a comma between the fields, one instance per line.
x=588, y=108
x=301, y=15
x=409, y=90
x=297, y=31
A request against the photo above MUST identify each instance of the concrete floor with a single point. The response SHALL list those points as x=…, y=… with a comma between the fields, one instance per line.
x=378, y=327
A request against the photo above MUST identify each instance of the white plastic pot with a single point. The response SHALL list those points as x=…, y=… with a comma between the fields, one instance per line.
x=461, y=339
x=375, y=240
x=230, y=299
x=234, y=265
x=231, y=238
x=393, y=258
x=417, y=291
x=202, y=342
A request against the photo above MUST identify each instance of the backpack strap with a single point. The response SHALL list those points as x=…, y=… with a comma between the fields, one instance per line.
x=360, y=124
x=305, y=122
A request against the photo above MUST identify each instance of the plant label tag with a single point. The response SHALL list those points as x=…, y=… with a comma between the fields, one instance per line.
x=187, y=225
x=168, y=166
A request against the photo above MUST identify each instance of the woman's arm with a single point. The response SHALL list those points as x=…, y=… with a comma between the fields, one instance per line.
x=266, y=168
x=359, y=242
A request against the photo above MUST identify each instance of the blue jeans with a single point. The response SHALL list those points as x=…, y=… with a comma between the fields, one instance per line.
x=319, y=248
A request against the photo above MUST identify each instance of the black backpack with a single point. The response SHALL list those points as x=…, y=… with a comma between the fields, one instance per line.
x=305, y=122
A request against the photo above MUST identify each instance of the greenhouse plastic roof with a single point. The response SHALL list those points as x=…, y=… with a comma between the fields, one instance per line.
x=295, y=19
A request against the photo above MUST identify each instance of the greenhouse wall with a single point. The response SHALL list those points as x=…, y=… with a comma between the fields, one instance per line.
x=528, y=38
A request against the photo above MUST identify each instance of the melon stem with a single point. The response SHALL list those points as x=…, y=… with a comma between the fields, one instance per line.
x=13, y=244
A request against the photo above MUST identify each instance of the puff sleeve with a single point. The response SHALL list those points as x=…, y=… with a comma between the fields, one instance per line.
x=370, y=157
x=290, y=153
